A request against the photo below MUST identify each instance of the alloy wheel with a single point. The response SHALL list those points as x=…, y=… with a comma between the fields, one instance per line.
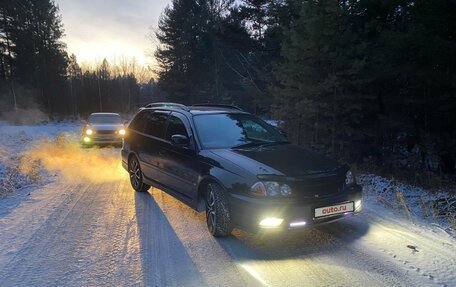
x=210, y=210
x=135, y=173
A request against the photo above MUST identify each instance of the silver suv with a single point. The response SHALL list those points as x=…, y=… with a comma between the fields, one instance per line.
x=103, y=128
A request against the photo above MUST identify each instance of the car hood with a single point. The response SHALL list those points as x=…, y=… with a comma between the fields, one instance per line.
x=105, y=127
x=282, y=159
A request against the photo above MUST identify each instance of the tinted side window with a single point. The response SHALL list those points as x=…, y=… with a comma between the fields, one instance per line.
x=155, y=125
x=175, y=127
x=138, y=122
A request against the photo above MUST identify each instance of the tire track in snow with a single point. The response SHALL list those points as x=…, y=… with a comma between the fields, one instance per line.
x=165, y=260
x=312, y=256
x=106, y=234
x=213, y=262
x=26, y=267
x=433, y=261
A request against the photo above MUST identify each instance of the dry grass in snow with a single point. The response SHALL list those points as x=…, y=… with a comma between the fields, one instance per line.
x=415, y=202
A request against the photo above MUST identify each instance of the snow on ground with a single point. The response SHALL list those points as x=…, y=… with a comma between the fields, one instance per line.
x=14, y=142
x=76, y=222
x=415, y=204
x=35, y=155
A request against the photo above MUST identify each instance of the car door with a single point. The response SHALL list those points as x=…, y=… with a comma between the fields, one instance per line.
x=153, y=144
x=179, y=163
x=134, y=139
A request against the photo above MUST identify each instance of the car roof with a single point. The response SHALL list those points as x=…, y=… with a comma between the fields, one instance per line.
x=213, y=110
x=107, y=114
x=194, y=109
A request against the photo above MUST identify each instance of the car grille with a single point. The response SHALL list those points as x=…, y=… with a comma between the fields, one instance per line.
x=318, y=187
x=105, y=132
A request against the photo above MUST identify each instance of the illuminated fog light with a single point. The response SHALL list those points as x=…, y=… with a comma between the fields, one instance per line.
x=86, y=139
x=358, y=204
x=298, y=224
x=89, y=132
x=271, y=222
x=122, y=132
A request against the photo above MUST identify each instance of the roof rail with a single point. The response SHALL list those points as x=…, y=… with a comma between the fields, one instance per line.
x=218, y=106
x=167, y=105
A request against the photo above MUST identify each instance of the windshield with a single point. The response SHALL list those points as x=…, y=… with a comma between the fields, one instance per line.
x=234, y=130
x=105, y=119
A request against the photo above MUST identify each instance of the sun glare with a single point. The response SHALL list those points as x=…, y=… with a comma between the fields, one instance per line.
x=95, y=51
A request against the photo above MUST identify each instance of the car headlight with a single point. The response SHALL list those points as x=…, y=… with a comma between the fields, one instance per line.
x=89, y=132
x=285, y=189
x=121, y=132
x=270, y=188
x=349, y=178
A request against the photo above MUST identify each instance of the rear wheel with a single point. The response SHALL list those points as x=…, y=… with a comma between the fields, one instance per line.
x=136, y=177
x=217, y=211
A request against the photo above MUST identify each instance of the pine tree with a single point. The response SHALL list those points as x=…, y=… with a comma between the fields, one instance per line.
x=318, y=95
x=37, y=53
x=183, y=41
x=7, y=85
x=202, y=54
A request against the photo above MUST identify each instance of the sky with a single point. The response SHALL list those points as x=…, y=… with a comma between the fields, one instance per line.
x=96, y=29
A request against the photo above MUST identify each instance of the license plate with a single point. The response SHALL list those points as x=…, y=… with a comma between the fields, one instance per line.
x=334, y=209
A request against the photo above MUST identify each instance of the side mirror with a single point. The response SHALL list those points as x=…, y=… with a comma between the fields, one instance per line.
x=180, y=140
x=125, y=122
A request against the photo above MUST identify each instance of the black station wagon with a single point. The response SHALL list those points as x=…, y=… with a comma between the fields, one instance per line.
x=237, y=168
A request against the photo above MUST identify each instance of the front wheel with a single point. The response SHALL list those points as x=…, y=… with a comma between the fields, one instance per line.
x=217, y=211
x=136, y=177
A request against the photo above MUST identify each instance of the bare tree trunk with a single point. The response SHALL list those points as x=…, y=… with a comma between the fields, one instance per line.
x=333, y=131
x=13, y=91
x=48, y=101
x=74, y=108
x=2, y=68
x=317, y=127
x=129, y=99
x=122, y=84
x=8, y=47
x=299, y=131
x=99, y=94
x=216, y=80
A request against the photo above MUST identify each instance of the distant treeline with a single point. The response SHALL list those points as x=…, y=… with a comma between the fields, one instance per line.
x=364, y=80
x=36, y=72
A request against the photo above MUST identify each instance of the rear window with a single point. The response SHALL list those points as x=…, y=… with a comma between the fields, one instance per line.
x=155, y=124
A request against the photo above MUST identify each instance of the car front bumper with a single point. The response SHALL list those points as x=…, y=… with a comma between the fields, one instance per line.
x=247, y=212
x=106, y=140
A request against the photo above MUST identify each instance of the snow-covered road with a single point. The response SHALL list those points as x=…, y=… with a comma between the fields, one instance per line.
x=79, y=231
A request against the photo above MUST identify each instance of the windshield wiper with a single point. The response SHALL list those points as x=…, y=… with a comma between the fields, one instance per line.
x=260, y=143
x=250, y=144
x=275, y=143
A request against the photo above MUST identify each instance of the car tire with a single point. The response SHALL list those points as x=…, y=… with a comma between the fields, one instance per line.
x=217, y=211
x=136, y=176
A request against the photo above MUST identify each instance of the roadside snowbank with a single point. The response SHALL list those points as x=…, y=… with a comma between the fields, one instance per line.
x=418, y=205
x=15, y=141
